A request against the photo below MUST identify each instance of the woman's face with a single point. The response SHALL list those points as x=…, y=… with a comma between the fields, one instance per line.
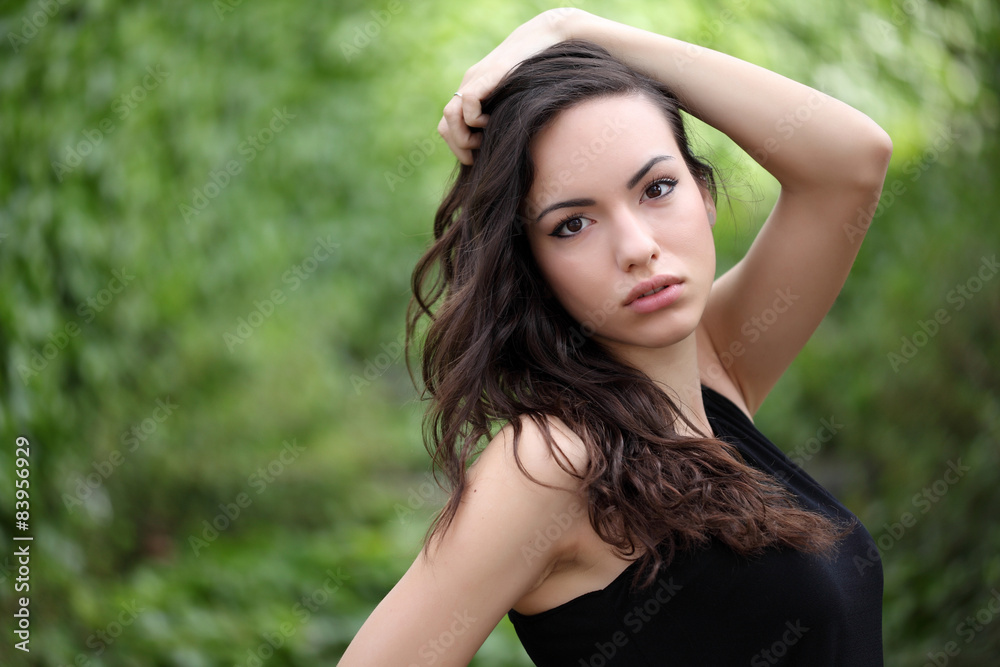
x=613, y=205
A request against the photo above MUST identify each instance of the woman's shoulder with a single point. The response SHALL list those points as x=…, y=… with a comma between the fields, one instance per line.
x=547, y=450
x=510, y=502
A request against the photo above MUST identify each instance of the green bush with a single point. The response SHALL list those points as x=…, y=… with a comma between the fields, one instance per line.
x=209, y=217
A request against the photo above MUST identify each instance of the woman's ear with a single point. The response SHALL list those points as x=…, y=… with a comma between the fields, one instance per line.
x=706, y=195
x=709, y=206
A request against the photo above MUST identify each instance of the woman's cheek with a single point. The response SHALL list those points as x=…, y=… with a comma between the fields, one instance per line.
x=573, y=290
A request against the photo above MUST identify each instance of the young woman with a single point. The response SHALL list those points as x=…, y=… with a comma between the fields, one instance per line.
x=625, y=510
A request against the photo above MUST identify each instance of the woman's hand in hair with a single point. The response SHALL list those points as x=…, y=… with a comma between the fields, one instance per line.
x=464, y=112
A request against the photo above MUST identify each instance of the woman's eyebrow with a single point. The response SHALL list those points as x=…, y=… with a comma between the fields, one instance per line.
x=645, y=168
x=569, y=203
x=573, y=203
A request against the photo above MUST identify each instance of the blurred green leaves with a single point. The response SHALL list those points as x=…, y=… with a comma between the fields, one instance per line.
x=148, y=107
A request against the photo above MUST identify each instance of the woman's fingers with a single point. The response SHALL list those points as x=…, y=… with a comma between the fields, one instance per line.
x=454, y=131
x=472, y=94
x=464, y=111
x=457, y=130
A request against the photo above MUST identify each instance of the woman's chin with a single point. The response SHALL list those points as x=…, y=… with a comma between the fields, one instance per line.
x=662, y=338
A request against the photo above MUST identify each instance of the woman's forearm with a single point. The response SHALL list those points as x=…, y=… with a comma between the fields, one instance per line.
x=804, y=138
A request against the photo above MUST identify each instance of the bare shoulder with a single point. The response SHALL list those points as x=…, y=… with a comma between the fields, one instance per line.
x=510, y=496
x=488, y=558
x=545, y=482
x=559, y=464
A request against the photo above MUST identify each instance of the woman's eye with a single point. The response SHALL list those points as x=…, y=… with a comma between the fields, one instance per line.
x=570, y=225
x=659, y=188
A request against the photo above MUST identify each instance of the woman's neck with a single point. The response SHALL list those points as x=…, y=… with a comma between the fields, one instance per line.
x=675, y=370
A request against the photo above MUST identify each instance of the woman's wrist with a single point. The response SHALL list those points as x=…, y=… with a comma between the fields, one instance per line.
x=580, y=24
x=629, y=44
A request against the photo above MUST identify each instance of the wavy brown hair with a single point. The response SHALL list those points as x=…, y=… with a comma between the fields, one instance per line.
x=499, y=347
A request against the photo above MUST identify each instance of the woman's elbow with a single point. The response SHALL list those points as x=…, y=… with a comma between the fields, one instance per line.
x=875, y=157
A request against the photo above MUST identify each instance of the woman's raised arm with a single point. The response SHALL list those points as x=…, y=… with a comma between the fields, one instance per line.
x=829, y=159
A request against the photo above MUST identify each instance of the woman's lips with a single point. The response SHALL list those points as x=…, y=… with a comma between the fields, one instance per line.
x=661, y=299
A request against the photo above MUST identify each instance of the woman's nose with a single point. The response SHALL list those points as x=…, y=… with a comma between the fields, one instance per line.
x=634, y=242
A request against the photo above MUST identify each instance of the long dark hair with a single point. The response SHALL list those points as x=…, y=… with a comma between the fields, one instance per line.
x=497, y=347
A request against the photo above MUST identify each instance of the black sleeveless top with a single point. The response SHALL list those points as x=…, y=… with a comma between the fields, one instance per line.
x=714, y=607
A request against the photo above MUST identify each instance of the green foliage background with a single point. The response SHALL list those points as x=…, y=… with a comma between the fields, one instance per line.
x=357, y=166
